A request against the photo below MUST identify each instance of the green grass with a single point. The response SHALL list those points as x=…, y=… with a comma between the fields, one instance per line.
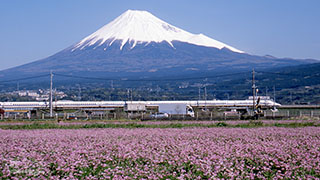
x=251, y=124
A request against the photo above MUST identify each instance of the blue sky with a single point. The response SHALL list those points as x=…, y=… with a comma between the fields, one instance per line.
x=34, y=29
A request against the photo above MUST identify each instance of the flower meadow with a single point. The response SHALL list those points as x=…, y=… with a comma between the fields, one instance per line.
x=154, y=153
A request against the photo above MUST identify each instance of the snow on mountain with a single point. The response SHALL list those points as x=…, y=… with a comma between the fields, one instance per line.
x=142, y=27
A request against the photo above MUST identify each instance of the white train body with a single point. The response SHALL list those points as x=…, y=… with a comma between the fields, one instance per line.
x=170, y=107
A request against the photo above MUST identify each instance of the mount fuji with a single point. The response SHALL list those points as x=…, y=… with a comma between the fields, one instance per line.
x=139, y=43
x=139, y=27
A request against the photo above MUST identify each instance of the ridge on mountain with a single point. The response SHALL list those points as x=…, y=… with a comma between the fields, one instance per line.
x=137, y=27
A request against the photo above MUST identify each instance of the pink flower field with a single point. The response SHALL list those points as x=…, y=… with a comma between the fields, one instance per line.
x=152, y=153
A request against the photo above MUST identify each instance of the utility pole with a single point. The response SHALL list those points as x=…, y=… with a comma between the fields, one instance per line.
x=205, y=92
x=111, y=84
x=128, y=94
x=205, y=97
x=266, y=91
x=51, y=84
x=199, y=93
x=253, y=92
x=55, y=97
x=274, y=94
x=79, y=93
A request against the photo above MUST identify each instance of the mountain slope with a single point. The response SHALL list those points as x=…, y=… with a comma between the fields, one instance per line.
x=293, y=85
x=138, y=42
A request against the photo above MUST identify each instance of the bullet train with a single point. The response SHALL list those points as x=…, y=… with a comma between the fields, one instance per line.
x=168, y=106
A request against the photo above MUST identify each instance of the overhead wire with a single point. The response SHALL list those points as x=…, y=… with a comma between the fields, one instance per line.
x=158, y=79
x=26, y=78
x=82, y=77
x=283, y=74
x=151, y=79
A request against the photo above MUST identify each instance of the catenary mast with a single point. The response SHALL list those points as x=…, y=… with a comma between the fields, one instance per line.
x=51, y=84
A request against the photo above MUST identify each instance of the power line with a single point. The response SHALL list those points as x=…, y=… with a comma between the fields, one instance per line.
x=151, y=79
x=285, y=74
x=26, y=78
x=83, y=77
x=133, y=80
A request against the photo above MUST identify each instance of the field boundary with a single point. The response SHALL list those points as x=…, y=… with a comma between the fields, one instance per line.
x=176, y=124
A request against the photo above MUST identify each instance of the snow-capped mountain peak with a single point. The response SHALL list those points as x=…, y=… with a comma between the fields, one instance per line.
x=142, y=27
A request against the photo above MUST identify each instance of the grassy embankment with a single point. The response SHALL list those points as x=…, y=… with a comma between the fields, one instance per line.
x=251, y=124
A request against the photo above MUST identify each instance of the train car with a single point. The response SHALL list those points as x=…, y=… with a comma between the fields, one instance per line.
x=169, y=107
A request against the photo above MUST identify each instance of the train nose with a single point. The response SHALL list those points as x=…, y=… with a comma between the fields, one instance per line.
x=277, y=104
x=272, y=103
